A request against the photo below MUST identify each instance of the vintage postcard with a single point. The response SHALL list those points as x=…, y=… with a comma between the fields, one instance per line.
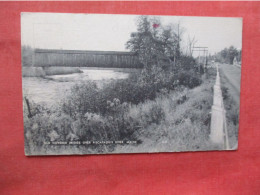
x=104, y=83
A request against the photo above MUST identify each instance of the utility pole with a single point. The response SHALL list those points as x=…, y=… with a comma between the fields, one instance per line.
x=205, y=53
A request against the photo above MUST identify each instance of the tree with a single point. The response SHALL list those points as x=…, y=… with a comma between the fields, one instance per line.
x=155, y=44
x=232, y=54
x=239, y=55
x=179, y=35
x=224, y=53
x=145, y=42
x=191, y=43
x=227, y=55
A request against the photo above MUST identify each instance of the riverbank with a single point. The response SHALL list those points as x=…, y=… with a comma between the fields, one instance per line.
x=175, y=120
x=48, y=89
x=48, y=71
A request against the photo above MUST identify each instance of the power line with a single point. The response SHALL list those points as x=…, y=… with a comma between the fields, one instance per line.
x=205, y=53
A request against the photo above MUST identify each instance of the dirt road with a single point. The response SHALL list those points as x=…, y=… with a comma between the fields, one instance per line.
x=232, y=75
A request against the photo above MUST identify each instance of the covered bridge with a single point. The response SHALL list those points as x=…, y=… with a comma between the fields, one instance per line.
x=109, y=59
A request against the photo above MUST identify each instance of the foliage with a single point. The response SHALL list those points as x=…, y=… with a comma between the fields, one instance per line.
x=232, y=112
x=227, y=55
x=83, y=97
x=187, y=63
x=154, y=43
x=144, y=42
x=183, y=127
x=189, y=79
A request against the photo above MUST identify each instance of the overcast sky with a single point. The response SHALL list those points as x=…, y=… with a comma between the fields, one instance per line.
x=106, y=32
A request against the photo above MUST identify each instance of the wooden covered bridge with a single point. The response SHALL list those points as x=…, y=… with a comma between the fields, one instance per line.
x=77, y=58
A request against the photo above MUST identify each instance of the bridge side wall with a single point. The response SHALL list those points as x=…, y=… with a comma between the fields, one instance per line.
x=115, y=60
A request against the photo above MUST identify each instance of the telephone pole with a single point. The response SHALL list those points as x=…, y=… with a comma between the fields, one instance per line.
x=205, y=54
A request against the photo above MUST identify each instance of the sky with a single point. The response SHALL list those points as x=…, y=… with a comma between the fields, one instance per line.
x=108, y=32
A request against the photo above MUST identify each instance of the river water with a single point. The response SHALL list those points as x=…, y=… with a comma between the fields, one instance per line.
x=51, y=89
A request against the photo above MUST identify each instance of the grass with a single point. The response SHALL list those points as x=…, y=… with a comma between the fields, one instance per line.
x=185, y=125
x=232, y=113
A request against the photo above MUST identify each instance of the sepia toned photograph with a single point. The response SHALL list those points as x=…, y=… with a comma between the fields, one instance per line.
x=107, y=83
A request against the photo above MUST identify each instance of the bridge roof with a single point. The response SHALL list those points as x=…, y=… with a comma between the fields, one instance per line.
x=83, y=51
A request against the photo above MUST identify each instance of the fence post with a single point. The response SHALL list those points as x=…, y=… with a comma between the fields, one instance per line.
x=28, y=107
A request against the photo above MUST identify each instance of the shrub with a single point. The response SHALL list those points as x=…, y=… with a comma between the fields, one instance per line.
x=125, y=90
x=45, y=127
x=83, y=98
x=91, y=126
x=187, y=62
x=147, y=113
x=87, y=97
x=119, y=119
x=156, y=114
x=225, y=93
x=189, y=79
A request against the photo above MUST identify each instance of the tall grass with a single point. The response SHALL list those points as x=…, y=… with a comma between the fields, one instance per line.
x=184, y=125
x=232, y=113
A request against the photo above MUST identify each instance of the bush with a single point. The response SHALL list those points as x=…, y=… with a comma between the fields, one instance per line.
x=90, y=127
x=154, y=114
x=83, y=98
x=225, y=93
x=187, y=62
x=87, y=97
x=45, y=127
x=158, y=78
x=126, y=91
x=189, y=79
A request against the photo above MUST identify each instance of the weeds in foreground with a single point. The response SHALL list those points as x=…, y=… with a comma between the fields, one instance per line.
x=121, y=110
x=186, y=122
x=232, y=115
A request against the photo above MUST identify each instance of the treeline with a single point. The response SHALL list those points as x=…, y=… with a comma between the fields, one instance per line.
x=228, y=55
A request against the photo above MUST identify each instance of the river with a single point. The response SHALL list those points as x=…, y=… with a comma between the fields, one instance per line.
x=51, y=89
